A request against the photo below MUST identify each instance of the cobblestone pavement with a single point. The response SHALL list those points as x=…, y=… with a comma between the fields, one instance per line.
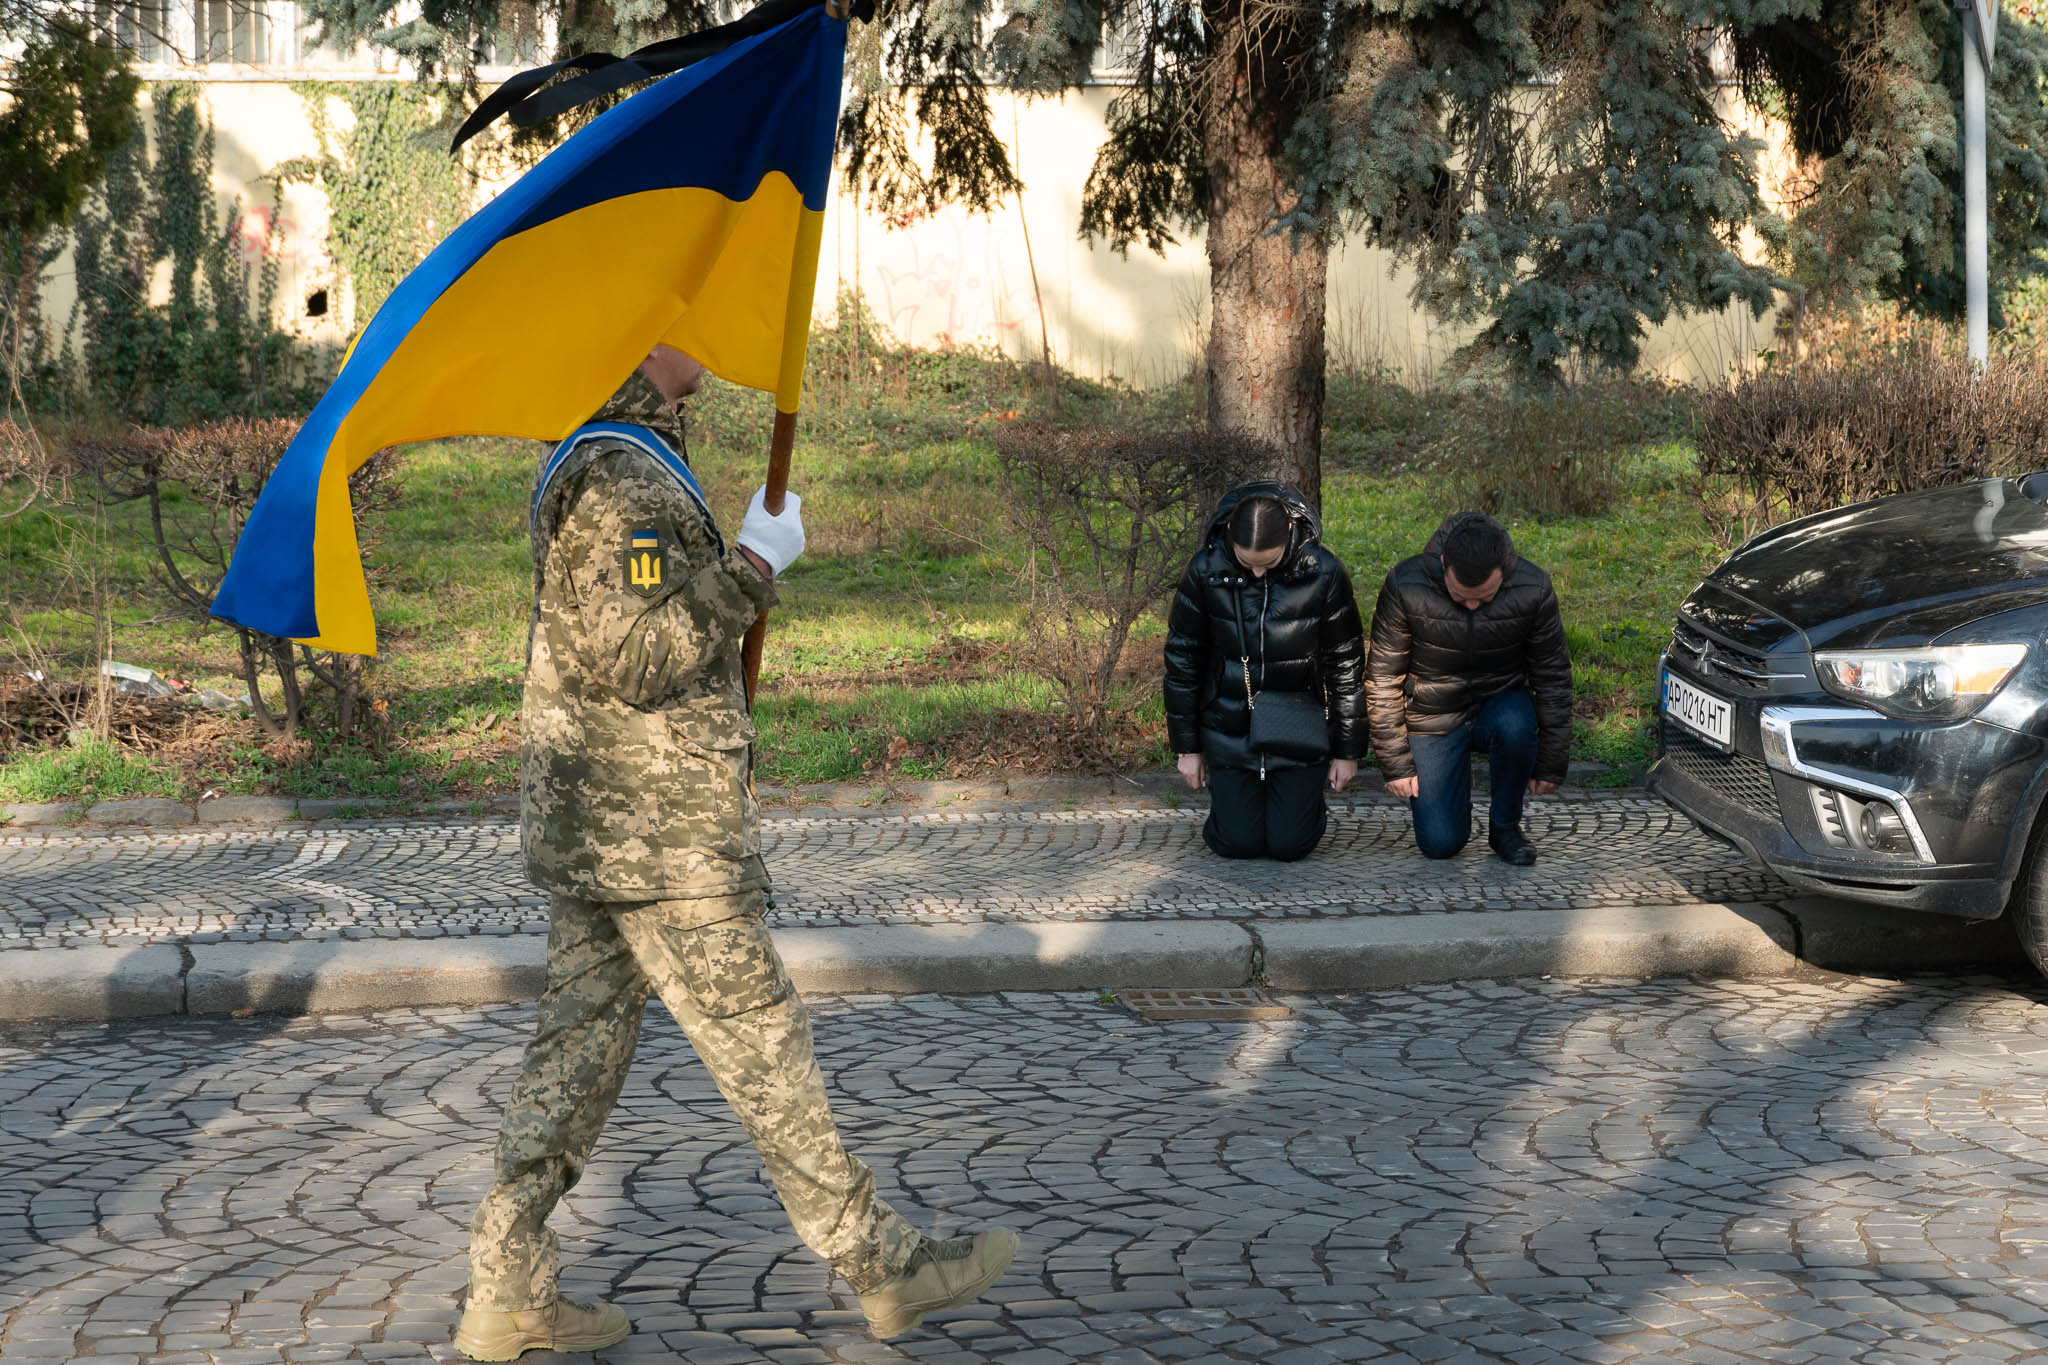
x=1527, y=1171
x=401, y=880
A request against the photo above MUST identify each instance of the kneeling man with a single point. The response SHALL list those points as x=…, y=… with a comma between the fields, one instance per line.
x=1468, y=652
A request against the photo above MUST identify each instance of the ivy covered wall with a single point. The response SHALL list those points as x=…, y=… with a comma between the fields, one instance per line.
x=392, y=190
x=232, y=250
x=336, y=189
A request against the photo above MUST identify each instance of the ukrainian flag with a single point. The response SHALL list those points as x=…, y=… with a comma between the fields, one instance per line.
x=690, y=214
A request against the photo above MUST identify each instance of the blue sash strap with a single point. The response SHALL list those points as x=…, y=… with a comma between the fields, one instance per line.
x=640, y=438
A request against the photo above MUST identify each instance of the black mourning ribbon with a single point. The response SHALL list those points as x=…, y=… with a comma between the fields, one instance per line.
x=528, y=98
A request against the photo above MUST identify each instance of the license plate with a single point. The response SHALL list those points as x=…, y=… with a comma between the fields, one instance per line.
x=1703, y=713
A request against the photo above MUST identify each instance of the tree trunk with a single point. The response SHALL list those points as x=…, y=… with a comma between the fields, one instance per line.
x=1267, y=289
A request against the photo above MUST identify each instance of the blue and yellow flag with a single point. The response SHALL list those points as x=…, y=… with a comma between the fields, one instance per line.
x=690, y=214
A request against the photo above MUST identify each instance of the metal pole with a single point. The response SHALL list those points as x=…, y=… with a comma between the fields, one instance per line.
x=1976, y=251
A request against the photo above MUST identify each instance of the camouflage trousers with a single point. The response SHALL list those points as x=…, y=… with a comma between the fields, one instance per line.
x=725, y=984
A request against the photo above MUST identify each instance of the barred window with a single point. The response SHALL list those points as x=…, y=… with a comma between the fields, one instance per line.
x=140, y=26
x=1123, y=45
x=516, y=42
x=233, y=31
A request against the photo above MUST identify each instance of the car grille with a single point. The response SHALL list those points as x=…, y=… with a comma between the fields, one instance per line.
x=1732, y=777
x=1739, y=670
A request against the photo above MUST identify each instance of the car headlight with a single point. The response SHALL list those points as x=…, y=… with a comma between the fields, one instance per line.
x=1930, y=683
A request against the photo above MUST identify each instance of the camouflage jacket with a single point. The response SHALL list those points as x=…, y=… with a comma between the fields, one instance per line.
x=635, y=765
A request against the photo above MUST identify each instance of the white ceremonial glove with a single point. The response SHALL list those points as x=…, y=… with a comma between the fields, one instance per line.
x=778, y=540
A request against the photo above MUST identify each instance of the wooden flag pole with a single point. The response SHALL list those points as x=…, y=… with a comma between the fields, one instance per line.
x=779, y=446
x=783, y=440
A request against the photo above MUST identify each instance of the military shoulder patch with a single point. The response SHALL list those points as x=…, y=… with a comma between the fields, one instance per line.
x=646, y=561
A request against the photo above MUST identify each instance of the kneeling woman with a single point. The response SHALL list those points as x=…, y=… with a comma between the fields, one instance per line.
x=1265, y=658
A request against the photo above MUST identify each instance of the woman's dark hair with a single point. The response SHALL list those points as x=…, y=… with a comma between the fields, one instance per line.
x=1475, y=546
x=1260, y=522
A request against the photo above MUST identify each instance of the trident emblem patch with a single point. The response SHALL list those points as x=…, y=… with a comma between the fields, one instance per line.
x=644, y=558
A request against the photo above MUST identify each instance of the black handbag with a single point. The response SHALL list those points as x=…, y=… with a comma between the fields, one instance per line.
x=1285, y=724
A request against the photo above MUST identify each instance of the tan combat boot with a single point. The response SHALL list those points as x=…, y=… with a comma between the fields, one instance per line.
x=940, y=1275
x=489, y=1334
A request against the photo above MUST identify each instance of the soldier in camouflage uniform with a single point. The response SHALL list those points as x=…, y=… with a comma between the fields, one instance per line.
x=638, y=818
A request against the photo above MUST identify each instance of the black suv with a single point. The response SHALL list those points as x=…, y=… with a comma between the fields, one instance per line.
x=1859, y=701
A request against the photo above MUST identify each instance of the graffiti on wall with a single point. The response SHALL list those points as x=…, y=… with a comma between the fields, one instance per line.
x=306, y=294
x=281, y=238
x=943, y=279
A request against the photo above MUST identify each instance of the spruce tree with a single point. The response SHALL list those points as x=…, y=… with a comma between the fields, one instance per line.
x=67, y=107
x=1561, y=173
x=1868, y=92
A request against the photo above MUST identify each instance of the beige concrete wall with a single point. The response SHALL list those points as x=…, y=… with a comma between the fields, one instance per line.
x=953, y=277
x=966, y=279
x=257, y=125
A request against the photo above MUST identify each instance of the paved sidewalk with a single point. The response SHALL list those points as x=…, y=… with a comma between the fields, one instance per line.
x=359, y=915
x=1543, y=1173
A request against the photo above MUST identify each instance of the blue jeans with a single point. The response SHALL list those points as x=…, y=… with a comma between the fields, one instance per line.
x=1505, y=731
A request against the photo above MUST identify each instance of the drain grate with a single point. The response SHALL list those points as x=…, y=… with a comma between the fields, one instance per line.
x=1217, y=1002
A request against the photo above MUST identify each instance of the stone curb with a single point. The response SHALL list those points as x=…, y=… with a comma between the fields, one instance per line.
x=144, y=810
x=1645, y=941
x=335, y=976
x=1843, y=936
x=1701, y=939
x=246, y=809
x=975, y=959
x=896, y=798
x=92, y=983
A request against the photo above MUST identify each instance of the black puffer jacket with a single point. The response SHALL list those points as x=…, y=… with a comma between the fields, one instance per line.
x=1434, y=664
x=1312, y=640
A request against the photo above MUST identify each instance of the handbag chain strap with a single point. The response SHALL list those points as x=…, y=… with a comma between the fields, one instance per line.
x=1244, y=661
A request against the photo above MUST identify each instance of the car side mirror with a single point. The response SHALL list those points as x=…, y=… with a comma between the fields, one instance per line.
x=2034, y=487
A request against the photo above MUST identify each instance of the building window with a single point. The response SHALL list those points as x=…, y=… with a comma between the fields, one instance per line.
x=512, y=44
x=233, y=31
x=1122, y=47
x=140, y=26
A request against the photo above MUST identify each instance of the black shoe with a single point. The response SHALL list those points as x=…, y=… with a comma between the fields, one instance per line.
x=1510, y=847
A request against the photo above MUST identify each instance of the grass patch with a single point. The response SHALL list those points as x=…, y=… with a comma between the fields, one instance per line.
x=91, y=770
x=891, y=730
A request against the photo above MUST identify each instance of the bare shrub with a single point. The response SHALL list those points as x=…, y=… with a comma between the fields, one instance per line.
x=1563, y=452
x=200, y=483
x=1786, y=442
x=1111, y=517
x=30, y=471
x=35, y=474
